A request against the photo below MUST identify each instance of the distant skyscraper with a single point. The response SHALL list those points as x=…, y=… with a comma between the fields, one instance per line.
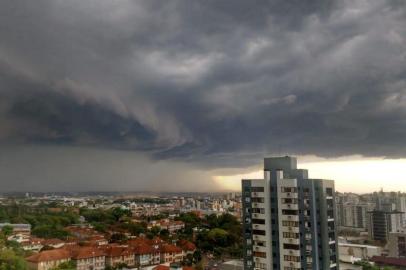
x=382, y=223
x=289, y=220
x=353, y=215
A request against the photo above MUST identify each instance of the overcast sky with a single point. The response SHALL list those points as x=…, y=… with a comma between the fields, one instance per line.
x=175, y=95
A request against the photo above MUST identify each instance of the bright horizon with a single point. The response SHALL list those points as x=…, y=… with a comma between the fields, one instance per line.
x=352, y=174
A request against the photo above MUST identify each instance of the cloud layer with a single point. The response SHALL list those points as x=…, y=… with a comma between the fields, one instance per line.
x=215, y=83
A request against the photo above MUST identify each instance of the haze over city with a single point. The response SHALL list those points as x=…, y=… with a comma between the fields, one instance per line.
x=192, y=95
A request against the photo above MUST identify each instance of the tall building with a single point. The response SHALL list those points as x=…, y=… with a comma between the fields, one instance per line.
x=289, y=220
x=382, y=223
x=354, y=215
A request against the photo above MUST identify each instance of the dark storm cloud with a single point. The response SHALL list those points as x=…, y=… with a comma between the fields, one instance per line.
x=217, y=83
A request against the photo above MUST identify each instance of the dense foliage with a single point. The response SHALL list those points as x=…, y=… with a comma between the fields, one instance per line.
x=70, y=265
x=367, y=266
x=101, y=216
x=221, y=235
x=44, y=222
x=11, y=254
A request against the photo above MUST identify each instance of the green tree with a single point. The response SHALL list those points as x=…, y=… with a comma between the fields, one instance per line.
x=197, y=256
x=118, y=213
x=4, y=216
x=100, y=227
x=7, y=230
x=164, y=234
x=118, y=237
x=155, y=230
x=9, y=260
x=121, y=266
x=69, y=265
x=50, y=231
x=367, y=266
x=134, y=228
x=218, y=237
x=188, y=260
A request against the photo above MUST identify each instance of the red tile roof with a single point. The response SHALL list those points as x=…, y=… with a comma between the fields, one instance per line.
x=144, y=249
x=161, y=267
x=52, y=241
x=187, y=245
x=389, y=260
x=86, y=252
x=117, y=251
x=170, y=249
x=139, y=241
x=49, y=255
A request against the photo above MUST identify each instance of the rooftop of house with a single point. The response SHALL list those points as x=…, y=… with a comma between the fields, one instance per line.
x=49, y=255
x=187, y=245
x=170, y=249
x=86, y=252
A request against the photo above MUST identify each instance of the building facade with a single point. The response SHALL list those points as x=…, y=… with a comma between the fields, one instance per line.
x=354, y=215
x=397, y=245
x=289, y=220
x=382, y=223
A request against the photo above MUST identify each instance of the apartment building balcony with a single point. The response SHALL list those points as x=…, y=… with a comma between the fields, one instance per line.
x=258, y=205
x=260, y=260
x=290, y=206
x=258, y=215
x=295, y=241
x=290, y=217
x=257, y=194
x=291, y=252
x=291, y=195
x=290, y=229
x=259, y=248
x=259, y=237
x=297, y=265
x=259, y=227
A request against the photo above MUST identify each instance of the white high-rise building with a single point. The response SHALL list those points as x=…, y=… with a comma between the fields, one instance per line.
x=289, y=220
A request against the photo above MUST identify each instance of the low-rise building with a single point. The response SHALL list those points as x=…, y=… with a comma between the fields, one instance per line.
x=353, y=252
x=166, y=224
x=48, y=259
x=53, y=242
x=187, y=246
x=88, y=258
x=24, y=229
x=116, y=255
x=145, y=255
x=171, y=254
x=33, y=244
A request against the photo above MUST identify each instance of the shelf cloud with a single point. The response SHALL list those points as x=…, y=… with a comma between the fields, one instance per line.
x=211, y=84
